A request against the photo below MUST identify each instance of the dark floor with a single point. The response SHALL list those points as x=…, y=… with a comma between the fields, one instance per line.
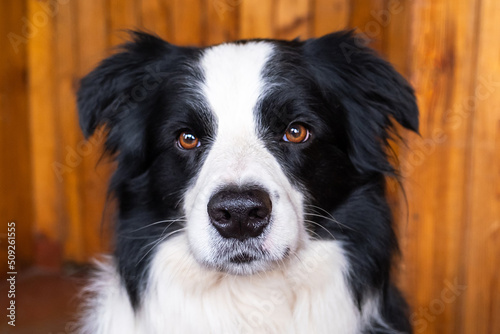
x=46, y=302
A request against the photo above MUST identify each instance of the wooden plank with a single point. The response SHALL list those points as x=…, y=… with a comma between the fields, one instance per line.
x=255, y=19
x=92, y=47
x=220, y=21
x=443, y=48
x=291, y=19
x=123, y=15
x=396, y=20
x=156, y=17
x=187, y=22
x=366, y=18
x=43, y=128
x=482, y=256
x=330, y=16
x=70, y=140
x=15, y=160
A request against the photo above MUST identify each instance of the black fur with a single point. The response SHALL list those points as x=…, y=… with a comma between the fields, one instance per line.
x=145, y=95
x=349, y=96
x=133, y=94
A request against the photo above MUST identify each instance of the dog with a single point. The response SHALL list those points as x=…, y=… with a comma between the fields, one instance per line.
x=250, y=186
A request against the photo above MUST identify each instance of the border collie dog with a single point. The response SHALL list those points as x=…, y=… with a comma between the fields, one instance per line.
x=250, y=185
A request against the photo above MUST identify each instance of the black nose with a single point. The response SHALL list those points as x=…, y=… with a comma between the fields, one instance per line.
x=240, y=214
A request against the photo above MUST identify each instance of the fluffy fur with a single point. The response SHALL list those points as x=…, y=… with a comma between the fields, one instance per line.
x=321, y=259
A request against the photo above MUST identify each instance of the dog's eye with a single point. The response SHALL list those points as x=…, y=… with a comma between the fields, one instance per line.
x=188, y=141
x=296, y=133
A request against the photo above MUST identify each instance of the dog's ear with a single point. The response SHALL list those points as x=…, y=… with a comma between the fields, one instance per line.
x=116, y=92
x=369, y=90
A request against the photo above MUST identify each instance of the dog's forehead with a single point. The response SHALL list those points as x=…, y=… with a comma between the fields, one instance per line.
x=234, y=82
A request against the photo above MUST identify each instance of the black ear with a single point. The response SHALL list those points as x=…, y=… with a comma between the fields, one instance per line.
x=115, y=93
x=369, y=90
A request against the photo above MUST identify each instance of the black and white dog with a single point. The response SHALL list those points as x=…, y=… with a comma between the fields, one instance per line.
x=250, y=184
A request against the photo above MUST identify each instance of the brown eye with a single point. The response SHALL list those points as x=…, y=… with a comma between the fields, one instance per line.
x=188, y=141
x=296, y=133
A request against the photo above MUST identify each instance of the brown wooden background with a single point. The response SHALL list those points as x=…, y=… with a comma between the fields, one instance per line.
x=53, y=187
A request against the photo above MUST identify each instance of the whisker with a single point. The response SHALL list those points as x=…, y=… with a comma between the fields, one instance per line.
x=331, y=219
x=298, y=258
x=161, y=235
x=330, y=216
x=321, y=209
x=312, y=232
x=282, y=265
x=158, y=242
x=317, y=224
x=180, y=219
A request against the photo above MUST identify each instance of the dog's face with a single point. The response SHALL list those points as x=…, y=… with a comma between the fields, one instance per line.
x=242, y=210
x=246, y=147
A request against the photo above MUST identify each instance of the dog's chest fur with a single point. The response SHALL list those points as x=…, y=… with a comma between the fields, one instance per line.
x=306, y=295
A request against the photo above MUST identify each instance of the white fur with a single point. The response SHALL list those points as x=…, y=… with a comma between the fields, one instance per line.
x=107, y=309
x=232, y=87
x=306, y=294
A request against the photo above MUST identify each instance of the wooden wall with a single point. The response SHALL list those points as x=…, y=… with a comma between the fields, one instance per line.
x=54, y=187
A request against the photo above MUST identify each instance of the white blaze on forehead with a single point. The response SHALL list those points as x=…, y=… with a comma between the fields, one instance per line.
x=233, y=83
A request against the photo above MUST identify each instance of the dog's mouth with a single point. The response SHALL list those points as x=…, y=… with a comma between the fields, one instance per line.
x=242, y=258
x=247, y=260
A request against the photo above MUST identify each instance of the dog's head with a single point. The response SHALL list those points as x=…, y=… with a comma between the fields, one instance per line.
x=237, y=144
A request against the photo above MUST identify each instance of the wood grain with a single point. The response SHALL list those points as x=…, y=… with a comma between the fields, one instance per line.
x=44, y=131
x=93, y=38
x=330, y=16
x=255, y=19
x=395, y=17
x=482, y=238
x=65, y=55
x=16, y=180
x=220, y=21
x=156, y=17
x=187, y=22
x=443, y=66
x=291, y=19
x=366, y=16
x=123, y=15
